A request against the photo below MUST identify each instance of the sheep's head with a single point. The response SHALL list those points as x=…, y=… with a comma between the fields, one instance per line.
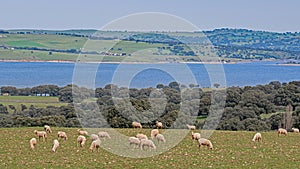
x=35, y=131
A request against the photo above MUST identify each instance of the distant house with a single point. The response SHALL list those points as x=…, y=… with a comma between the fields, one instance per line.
x=5, y=94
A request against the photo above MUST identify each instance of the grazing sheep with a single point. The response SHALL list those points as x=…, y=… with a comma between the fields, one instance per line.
x=282, y=131
x=95, y=144
x=135, y=141
x=153, y=133
x=94, y=137
x=47, y=129
x=136, y=125
x=81, y=140
x=161, y=138
x=159, y=125
x=141, y=136
x=295, y=130
x=41, y=134
x=61, y=134
x=32, y=143
x=103, y=134
x=191, y=127
x=196, y=136
x=148, y=143
x=82, y=132
x=205, y=142
x=257, y=137
x=55, y=145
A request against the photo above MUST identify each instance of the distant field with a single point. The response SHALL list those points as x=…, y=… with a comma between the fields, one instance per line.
x=231, y=150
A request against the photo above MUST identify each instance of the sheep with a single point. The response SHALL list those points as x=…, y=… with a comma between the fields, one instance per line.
x=82, y=132
x=257, y=137
x=81, y=140
x=196, y=136
x=136, y=125
x=153, y=133
x=55, y=145
x=61, y=134
x=191, y=127
x=282, y=131
x=141, y=136
x=205, y=142
x=32, y=143
x=41, y=134
x=95, y=144
x=47, y=129
x=159, y=125
x=295, y=130
x=94, y=137
x=135, y=141
x=148, y=143
x=161, y=138
x=103, y=134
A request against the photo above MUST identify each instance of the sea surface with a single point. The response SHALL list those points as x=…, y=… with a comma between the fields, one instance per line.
x=29, y=74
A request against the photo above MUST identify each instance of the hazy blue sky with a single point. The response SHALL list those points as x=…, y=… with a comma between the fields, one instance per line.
x=270, y=15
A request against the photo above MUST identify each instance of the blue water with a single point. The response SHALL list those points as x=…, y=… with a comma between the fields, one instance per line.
x=29, y=74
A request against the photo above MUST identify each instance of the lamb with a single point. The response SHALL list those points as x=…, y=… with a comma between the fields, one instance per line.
x=161, y=138
x=55, y=145
x=257, y=137
x=141, y=136
x=47, y=129
x=196, y=136
x=282, y=131
x=103, y=134
x=81, y=140
x=41, y=134
x=295, y=130
x=61, y=134
x=159, y=125
x=136, y=125
x=94, y=137
x=153, y=133
x=135, y=141
x=205, y=142
x=82, y=132
x=95, y=144
x=191, y=127
x=32, y=143
x=148, y=143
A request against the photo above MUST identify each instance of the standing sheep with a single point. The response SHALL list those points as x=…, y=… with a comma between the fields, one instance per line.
x=161, y=138
x=196, y=136
x=103, y=134
x=95, y=144
x=148, y=143
x=191, y=127
x=32, y=143
x=55, y=145
x=159, y=125
x=135, y=141
x=153, y=133
x=81, y=140
x=282, y=131
x=82, y=132
x=295, y=130
x=47, y=129
x=136, y=125
x=41, y=134
x=141, y=136
x=61, y=134
x=257, y=137
x=205, y=142
x=94, y=137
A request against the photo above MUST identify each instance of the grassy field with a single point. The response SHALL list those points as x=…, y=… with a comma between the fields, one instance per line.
x=231, y=150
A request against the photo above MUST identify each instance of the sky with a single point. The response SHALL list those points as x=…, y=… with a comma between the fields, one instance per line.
x=266, y=15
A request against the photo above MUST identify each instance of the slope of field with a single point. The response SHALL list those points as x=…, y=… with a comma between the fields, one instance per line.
x=231, y=150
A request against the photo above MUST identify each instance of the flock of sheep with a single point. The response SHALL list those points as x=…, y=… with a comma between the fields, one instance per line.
x=139, y=140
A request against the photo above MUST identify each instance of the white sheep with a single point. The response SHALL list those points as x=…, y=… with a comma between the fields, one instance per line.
x=153, y=133
x=81, y=140
x=82, y=132
x=41, y=134
x=95, y=144
x=161, y=138
x=32, y=143
x=295, y=130
x=147, y=143
x=141, y=136
x=55, y=145
x=196, y=136
x=136, y=125
x=47, y=129
x=205, y=142
x=94, y=137
x=282, y=131
x=103, y=134
x=257, y=137
x=159, y=125
x=135, y=141
x=191, y=127
x=61, y=134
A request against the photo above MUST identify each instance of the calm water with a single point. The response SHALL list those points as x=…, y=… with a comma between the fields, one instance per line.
x=29, y=74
